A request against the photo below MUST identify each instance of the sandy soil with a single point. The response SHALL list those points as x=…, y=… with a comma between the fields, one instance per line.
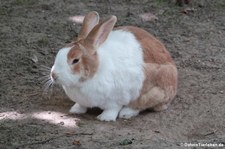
x=31, y=32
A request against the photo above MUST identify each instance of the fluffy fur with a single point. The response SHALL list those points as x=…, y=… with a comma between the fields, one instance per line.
x=112, y=71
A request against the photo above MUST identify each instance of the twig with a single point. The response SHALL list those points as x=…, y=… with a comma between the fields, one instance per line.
x=50, y=139
x=82, y=133
x=210, y=133
x=37, y=142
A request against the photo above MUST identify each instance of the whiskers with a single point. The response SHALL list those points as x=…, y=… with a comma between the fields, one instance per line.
x=46, y=79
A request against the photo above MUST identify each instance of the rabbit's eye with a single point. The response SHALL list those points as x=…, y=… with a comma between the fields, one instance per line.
x=75, y=61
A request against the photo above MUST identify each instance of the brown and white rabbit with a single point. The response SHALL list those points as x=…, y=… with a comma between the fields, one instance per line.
x=122, y=71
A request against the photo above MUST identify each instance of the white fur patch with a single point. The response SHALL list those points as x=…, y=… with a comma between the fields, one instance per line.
x=120, y=75
x=78, y=109
x=61, y=68
x=127, y=112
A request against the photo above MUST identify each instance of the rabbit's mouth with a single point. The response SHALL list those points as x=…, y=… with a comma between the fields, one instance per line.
x=54, y=77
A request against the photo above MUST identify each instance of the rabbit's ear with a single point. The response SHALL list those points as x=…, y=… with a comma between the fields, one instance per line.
x=90, y=21
x=100, y=32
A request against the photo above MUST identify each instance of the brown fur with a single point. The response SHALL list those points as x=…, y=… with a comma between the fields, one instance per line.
x=160, y=82
x=88, y=61
x=82, y=50
x=154, y=50
x=90, y=21
x=100, y=32
x=91, y=36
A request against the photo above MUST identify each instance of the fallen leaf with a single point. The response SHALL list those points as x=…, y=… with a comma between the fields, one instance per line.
x=76, y=142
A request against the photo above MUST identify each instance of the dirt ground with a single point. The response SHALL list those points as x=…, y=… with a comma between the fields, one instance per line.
x=31, y=33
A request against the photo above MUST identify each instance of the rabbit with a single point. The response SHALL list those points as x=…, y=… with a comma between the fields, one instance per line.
x=122, y=71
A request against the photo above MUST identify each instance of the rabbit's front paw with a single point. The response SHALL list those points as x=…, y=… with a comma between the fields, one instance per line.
x=78, y=109
x=108, y=115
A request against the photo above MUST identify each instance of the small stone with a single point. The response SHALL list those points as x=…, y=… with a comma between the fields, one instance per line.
x=34, y=59
x=126, y=142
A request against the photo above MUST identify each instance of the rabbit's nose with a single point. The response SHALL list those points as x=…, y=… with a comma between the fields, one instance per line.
x=54, y=76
